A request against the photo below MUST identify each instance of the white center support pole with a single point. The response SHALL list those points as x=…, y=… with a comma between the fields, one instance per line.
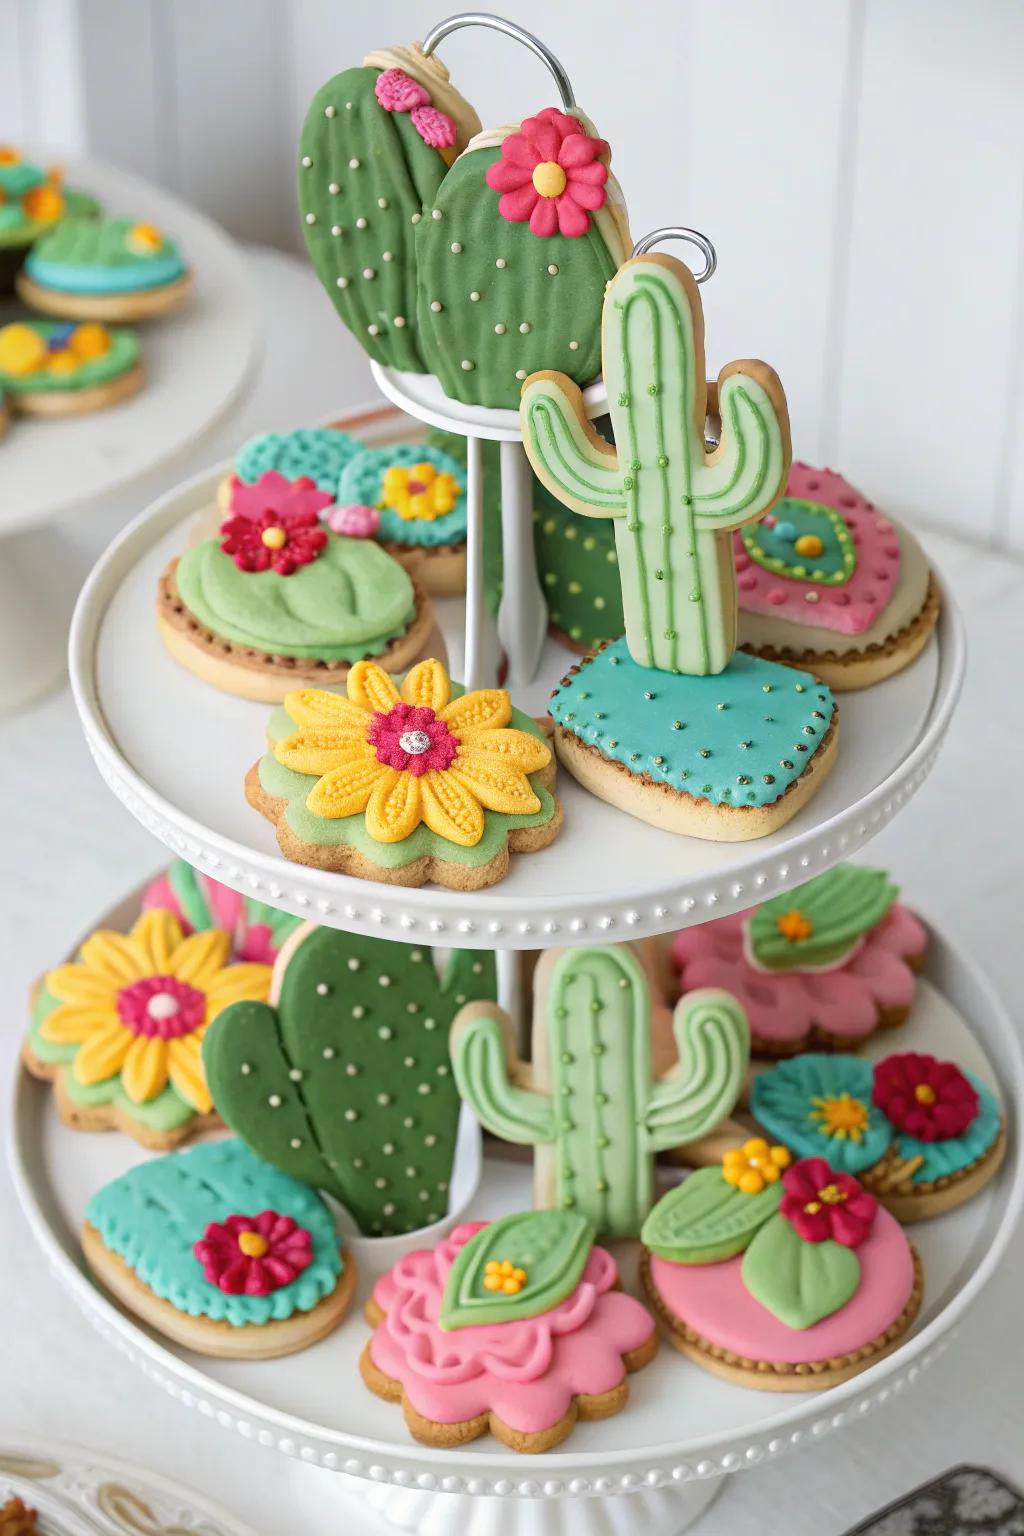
x=523, y=616
x=476, y=613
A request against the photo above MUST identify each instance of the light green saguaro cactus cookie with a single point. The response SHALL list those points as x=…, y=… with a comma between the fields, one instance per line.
x=674, y=504
x=588, y=1103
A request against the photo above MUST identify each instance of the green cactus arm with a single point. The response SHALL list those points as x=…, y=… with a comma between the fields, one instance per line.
x=469, y=976
x=713, y=1040
x=480, y=1045
x=568, y=456
x=747, y=472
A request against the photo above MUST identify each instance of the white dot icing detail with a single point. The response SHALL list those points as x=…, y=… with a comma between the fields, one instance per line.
x=435, y=213
x=385, y=1032
x=335, y=230
x=373, y=330
x=341, y=282
x=468, y=365
x=274, y=1101
x=399, y=322
x=330, y=111
x=552, y=270
x=353, y=164
x=295, y=1074
x=415, y=743
x=382, y=202
x=415, y=218
x=474, y=297
x=328, y=1053
x=295, y=1143
x=358, y=1011
x=369, y=273
x=524, y=328
x=383, y=981
x=162, y=1006
x=351, y=1114
x=333, y=188
x=387, y=256
x=245, y=1069
x=310, y=218
x=355, y=964
x=501, y=263
x=499, y=329
x=352, y=1070
x=574, y=346
x=307, y=161
x=360, y=223
x=436, y=306
x=456, y=247
x=520, y=373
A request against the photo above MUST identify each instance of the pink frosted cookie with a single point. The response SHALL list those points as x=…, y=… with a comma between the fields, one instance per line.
x=257, y=930
x=514, y=1327
x=819, y=968
x=829, y=584
x=779, y=1275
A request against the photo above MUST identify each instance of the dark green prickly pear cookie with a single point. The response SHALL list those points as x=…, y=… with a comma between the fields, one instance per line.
x=346, y=1083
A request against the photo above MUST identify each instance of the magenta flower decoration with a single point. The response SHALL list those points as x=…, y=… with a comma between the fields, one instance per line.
x=274, y=541
x=254, y=1255
x=398, y=92
x=272, y=492
x=355, y=521
x=822, y=1204
x=551, y=173
x=434, y=127
x=411, y=738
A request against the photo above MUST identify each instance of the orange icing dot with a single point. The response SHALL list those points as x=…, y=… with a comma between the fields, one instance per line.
x=794, y=926
x=809, y=544
x=89, y=340
x=274, y=538
x=754, y=1165
x=924, y=1093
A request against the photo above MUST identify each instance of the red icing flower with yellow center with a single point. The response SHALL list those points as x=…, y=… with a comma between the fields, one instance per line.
x=551, y=173
x=274, y=540
x=928, y=1099
x=824, y=1205
x=412, y=755
x=254, y=1255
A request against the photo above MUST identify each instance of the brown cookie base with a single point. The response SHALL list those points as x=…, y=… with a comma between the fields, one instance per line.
x=890, y=1182
x=440, y=570
x=76, y=402
x=448, y=1436
x=861, y=669
x=771, y=1376
x=252, y=674
x=251, y=1341
x=107, y=308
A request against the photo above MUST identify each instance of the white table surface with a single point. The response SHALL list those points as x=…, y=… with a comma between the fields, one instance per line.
x=70, y=851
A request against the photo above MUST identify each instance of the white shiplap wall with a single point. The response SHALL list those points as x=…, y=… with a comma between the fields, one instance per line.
x=859, y=164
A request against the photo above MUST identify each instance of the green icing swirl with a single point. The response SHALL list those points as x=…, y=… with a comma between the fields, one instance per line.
x=551, y=1246
x=842, y=905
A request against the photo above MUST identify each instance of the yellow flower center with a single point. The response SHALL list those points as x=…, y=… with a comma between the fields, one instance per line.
x=274, y=538
x=794, y=926
x=832, y=1194
x=502, y=1275
x=549, y=179
x=89, y=340
x=252, y=1244
x=842, y=1116
x=924, y=1093
x=144, y=238
x=750, y=1167
x=809, y=544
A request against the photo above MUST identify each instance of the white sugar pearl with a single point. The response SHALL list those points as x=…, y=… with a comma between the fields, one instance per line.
x=574, y=346
x=358, y=1011
x=499, y=330
x=295, y=1143
x=274, y=1101
x=553, y=270
x=333, y=188
x=330, y=111
x=474, y=297
x=501, y=263
x=415, y=218
x=436, y=306
x=296, y=1074
x=456, y=247
x=435, y=213
x=369, y=273
x=335, y=230
x=399, y=322
x=467, y=364
x=383, y=981
x=360, y=223
x=387, y=256
x=353, y=164
x=328, y=1053
x=354, y=964
x=520, y=373
x=382, y=202
x=351, y=1114
x=373, y=330
x=310, y=218
x=307, y=161
x=352, y=1070
x=341, y=282
x=524, y=328
x=245, y=1069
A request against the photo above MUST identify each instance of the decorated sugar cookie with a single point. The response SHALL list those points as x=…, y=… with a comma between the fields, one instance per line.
x=515, y=1328
x=780, y=1275
x=418, y=494
x=280, y=599
x=374, y=149
x=257, y=930
x=344, y=1079
x=119, y=1031
x=579, y=571
x=406, y=783
x=56, y=368
x=318, y=454
x=220, y=1252
x=32, y=200
x=923, y=1135
x=588, y=1101
x=820, y=967
x=522, y=237
x=827, y=582
x=115, y=270
x=668, y=723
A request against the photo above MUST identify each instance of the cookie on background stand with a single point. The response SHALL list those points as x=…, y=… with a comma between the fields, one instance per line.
x=119, y=1030
x=119, y=271
x=220, y=1253
x=923, y=1135
x=669, y=723
x=32, y=201
x=56, y=368
x=821, y=967
x=318, y=454
x=830, y=584
x=414, y=499
x=406, y=783
x=779, y=1275
x=515, y=1328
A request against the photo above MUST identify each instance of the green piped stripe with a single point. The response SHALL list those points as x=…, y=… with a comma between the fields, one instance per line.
x=543, y=412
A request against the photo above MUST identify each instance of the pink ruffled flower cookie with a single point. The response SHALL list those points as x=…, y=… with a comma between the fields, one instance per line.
x=513, y=1327
x=819, y=968
x=830, y=584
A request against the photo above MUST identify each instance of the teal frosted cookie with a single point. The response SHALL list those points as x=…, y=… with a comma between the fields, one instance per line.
x=418, y=493
x=221, y=1252
x=104, y=269
x=32, y=202
x=319, y=453
x=55, y=368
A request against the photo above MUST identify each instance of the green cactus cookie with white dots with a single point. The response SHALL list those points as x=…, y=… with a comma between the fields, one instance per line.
x=374, y=149
x=344, y=1080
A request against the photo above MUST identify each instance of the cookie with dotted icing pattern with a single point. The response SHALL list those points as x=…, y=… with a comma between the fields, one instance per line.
x=318, y=453
x=119, y=271
x=827, y=582
x=419, y=494
x=343, y=1079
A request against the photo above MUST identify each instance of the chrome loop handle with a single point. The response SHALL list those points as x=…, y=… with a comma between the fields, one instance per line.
x=508, y=29
x=691, y=237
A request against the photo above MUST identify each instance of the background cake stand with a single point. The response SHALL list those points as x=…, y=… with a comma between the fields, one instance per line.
x=197, y=362
x=683, y=1429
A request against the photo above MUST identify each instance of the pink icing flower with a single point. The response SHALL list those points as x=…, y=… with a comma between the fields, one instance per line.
x=398, y=92
x=930, y=1100
x=272, y=492
x=525, y=1371
x=551, y=173
x=254, y=1255
x=278, y=541
x=227, y=909
x=161, y=1007
x=822, y=1204
x=410, y=737
x=434, y=127
x=355, y=520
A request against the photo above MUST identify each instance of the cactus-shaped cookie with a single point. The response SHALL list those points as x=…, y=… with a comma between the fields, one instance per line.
x=511, y=277
x=373, y=151
x=589, y=1103
x=673, y=503
x=344, y=1080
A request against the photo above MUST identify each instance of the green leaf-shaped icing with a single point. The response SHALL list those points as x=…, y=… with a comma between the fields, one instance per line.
x=552, y=1247
x=798, y=1282
x=837, y=909
x=772, y=543
x=705, y=1220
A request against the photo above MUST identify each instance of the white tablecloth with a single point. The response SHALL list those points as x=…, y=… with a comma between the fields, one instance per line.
x=71, y=851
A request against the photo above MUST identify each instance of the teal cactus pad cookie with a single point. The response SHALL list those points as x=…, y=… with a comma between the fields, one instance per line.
x=362, y=481
x=153, y=1215
x=347, y=1084
x=737, y=738
x=821, y=1105
x=319, y=452
x=103, y=256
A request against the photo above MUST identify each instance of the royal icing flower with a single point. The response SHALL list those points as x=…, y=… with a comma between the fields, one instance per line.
x=274, y=540
x=254, y=1255
x=551, y=173
x=138, y=1005
x=355, y=521
x=928, y=1099
x=43, y=203
x=144, y=239
x=434, y=127
x=504, y=1276
x=754, y=1165
x=274, y=492
x=822, y=1204
x=25, y=350
x=411, y=756
x=419, y=492
x=794, y=926
x=398, y=92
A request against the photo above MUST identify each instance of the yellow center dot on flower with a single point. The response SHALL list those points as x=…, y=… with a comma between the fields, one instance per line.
x=809, y=544
x=812, y=1207
x=252, y=1244
x=549, y=179
x=924, y=1093
x=794, y=926
x=841, y=1116
x=751, y=1182
x=274, y=538
x=832, y=1194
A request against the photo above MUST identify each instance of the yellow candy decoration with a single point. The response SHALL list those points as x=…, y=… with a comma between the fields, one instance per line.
x=810, y=545
x=794, y=926
x=43, y=202
x=754, y=1165
x=22, y=350
x=144, y=239
x=89, y=340
x=502, y=1275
